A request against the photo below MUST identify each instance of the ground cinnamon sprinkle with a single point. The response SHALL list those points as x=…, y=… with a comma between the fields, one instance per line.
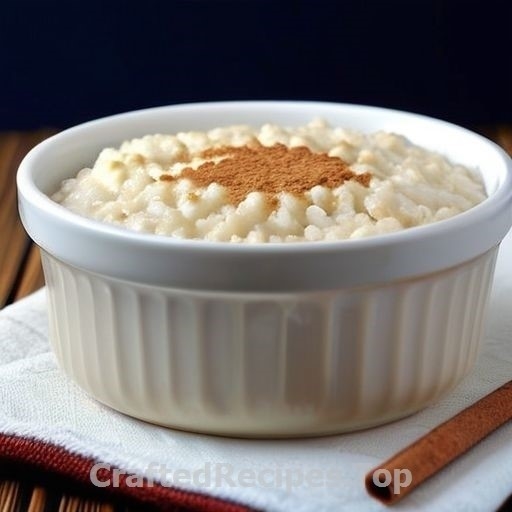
x=270, y=170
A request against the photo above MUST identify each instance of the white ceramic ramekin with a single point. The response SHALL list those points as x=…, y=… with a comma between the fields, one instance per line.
x=266, y=339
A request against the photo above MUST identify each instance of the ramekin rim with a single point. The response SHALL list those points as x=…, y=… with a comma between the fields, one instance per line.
x=36, y=197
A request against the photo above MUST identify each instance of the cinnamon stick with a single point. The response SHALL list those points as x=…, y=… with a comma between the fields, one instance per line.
x=402, y=473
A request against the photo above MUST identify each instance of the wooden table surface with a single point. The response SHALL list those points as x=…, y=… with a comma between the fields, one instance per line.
x=21, y=274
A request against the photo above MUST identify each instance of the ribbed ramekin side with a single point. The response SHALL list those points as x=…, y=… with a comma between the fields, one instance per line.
x=420, y=338
x=268, y=364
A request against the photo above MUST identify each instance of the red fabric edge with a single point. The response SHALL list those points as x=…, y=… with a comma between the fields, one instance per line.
x=54, y=459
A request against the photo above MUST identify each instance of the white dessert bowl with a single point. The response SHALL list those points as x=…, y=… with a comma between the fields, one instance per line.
x=265, y=340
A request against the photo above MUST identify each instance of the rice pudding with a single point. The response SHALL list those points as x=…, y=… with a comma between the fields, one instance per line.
x=272, y=184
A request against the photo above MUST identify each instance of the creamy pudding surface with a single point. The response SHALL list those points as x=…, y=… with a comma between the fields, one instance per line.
x=272, y=184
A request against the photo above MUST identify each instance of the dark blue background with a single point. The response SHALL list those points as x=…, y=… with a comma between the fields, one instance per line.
x=67, y=62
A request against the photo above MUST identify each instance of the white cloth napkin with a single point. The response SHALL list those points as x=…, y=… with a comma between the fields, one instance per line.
x=322, y=474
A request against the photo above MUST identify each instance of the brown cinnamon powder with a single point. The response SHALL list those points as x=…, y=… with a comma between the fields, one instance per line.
x=270, y=170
